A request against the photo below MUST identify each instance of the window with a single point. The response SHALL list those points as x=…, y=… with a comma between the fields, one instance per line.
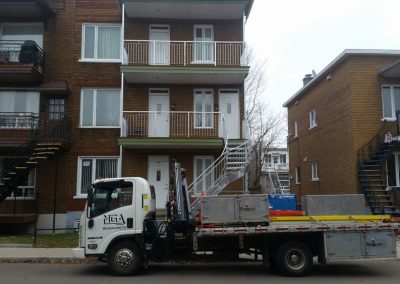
x=56, y=109
x=203, y=105
x=203, y=44
x=90, y=168
x=314, y=170
x=390, y=101
x=269, y=160
x=101, y=42
x=201, y=164
x=282, y=159
x=275, y=158
x=313, y=118
x=296, y=133
x=100, y=108
x=19, y=109
x=23, y=32
x=297, y=175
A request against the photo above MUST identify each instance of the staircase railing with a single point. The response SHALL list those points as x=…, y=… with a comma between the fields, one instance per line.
x=216, y=169
x=372, y=146
x=12, y=178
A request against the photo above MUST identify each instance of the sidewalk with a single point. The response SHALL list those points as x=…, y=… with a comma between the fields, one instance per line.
x=61, y=255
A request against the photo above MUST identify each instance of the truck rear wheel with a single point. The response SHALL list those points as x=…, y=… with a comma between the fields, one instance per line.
x=124, y=259
x=293, y=259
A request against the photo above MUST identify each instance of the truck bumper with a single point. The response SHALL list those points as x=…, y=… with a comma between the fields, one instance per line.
x=78, y=252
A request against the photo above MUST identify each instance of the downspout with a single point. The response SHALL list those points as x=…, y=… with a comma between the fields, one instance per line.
x=122, y=90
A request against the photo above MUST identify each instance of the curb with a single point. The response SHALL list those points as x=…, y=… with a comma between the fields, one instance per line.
x=50, y=260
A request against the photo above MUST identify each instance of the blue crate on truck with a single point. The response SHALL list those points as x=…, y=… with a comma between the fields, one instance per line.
x=282, y=201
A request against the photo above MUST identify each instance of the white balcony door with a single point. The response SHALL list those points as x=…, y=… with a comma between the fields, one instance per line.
x=159, y=45
x=203, y=105
x=229, y=108
x=203, y=44
x=158, y=175
x=159, y=113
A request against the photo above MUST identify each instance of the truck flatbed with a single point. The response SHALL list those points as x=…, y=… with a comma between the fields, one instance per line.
x=281, y=224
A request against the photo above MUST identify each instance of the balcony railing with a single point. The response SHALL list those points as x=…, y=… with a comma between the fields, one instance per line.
x=172, y=124
x=19, y=120
x=183, y=53
x=22, y=52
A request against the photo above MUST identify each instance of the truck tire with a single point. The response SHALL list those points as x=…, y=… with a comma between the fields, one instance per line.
x=124, y=259
x=293, y=259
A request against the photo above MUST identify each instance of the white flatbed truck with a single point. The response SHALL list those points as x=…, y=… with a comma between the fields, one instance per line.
x=118, y=226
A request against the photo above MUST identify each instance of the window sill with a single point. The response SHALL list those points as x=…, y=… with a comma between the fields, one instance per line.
x=390, y=119
x=113, y=61
x=80, y=196
x=297, y=183
x=311, y=127
x=99, y=127
x=314, y=179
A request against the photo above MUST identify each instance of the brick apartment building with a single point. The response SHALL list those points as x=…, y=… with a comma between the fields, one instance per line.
x=337, y=123
x=108, y=88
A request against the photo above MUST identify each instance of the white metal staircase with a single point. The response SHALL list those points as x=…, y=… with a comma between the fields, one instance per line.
x=231, y=165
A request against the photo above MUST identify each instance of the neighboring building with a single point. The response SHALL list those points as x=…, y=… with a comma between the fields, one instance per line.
x=115, y=88
x=275, y=171
x=337, y=122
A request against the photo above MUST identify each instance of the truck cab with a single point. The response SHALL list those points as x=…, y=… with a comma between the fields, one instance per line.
x=115, y=209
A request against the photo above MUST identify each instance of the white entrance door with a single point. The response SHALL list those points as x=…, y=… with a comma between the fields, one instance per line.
x=159, y=178
x=159, y=45
x=229, y=108
x=159, y=113
x=203, y=44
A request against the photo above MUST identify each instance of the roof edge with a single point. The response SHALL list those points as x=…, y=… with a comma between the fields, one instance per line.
x=342, y=56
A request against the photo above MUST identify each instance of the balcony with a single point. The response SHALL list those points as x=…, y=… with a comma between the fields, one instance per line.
x=198, y=62
x=175, y=130
x=29, y=9
x=187, y=9
x=21, y=62
x=20, y=208
x=16, y=129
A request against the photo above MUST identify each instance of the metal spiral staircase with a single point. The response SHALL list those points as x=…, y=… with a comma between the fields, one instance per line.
x=37, y=151
x=372, y=174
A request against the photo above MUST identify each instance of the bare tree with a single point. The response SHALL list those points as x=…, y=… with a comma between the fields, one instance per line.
x=265, y=126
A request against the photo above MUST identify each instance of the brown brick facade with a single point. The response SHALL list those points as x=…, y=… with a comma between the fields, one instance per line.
x=349, y=114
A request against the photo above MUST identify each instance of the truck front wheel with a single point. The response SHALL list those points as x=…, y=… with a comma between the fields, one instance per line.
x=124, y=259
x=294, y=259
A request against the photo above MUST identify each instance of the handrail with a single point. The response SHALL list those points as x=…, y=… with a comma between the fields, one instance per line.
x=364, y=152
x=22, y=51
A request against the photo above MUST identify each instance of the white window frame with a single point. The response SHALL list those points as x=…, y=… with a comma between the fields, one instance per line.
x=314, y=171
x=195, y=170
x=296, y=130
x=96, y=28
x=94, y=109
x=79, y=193
x=297, y=175
x=203, y=112
x=203, y=60
x=313, y=118
x=393, y=108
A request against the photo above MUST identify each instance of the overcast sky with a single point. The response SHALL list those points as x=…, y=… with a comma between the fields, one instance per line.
x=295, y=37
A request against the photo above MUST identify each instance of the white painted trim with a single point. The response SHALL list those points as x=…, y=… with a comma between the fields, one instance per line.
x=337, y=60
x=235, y=92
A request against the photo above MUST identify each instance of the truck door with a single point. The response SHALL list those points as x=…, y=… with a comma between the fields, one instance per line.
x=112, y=212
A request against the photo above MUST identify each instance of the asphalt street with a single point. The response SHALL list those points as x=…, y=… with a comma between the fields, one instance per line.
x=344, y=272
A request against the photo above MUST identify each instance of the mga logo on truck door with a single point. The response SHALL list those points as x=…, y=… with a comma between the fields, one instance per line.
x=114, y=219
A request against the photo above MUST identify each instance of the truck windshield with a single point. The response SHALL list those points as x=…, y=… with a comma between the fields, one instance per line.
x=109, y=196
